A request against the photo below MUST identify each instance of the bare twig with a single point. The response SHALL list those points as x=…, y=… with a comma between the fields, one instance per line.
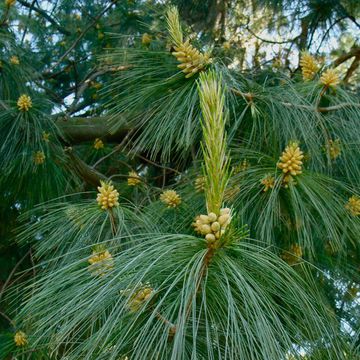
x=270, y=41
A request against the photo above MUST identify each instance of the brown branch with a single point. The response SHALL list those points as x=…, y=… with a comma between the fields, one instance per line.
x=355, y=51
x=157, y=165
x=79, y=129
x=83, y=170
x=354, y=65
x=337, y=107
x=44, y=14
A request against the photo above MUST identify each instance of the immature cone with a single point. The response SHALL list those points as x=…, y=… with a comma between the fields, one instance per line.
x=191, y=59
x=39, y=157
x=108, y=196
x=294, y=254
x=268, y=182
x=98, y=144
x=330, y=78
x=226, y=45
x=100, y=262
x=74, y=215
x=170, y=198
x=212, y=226
x=353, y=205
x=133, y=179
x=46, y=136
x=231, y=192
x=20, y=338
x=140, y=297
x=146, y=39
x=200, y=183
x=243, y=166
x=14, y=60
x=24, y=103
x=309, y=66
x=334, y=148
x=290, y=160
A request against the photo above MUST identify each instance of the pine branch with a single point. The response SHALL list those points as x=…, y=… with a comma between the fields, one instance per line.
x=354, y=65
x=44, y=14
x=250, y=97
x=355, y=51
x=83, y=170
x=79, y=129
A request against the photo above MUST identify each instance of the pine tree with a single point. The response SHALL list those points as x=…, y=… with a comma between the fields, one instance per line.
x=171, y=200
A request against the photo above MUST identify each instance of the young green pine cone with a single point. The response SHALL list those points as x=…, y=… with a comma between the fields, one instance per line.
x=212, y=226
x=191, y=59
x=330, y=78
x=20, y=339
x=134, y=178
x=293, y=255
x=100, y=262
x=268, y=182
x=24, y=103
x=309, y=66
x=200, y=184
x=334, y=148
x=108, y=196
x=170, y=198
x=290, y=160
x=353, y=205
x=140, y=297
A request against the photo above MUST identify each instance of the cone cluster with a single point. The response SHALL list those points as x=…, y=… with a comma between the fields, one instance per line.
x=231, y=192
x=108, y=196
x=291, y=162
x=46, y=136
x=39, y=157
x=353, y=205
x=268, y=182
x=20, y=339
x=133, y=179
x=309, y=66
x=170, y=198
x=140, y=297
x=334, y=148
x=98, y=144
x=330, y=78
x=200, y=183
x=73, y=214
x=191, y=59
x=14, y=60
x=212, y=226
x=100, y=262
x=24, y=103
x=293, y=255
x=243, y=166
x=146, y=39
